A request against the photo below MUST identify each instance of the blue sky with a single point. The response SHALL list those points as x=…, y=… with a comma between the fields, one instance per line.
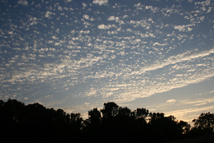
x=79, y=54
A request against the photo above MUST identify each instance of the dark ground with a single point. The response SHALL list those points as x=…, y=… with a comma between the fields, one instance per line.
x=200, y=139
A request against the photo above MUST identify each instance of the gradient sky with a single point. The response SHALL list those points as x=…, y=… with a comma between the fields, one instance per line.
x=79, y=54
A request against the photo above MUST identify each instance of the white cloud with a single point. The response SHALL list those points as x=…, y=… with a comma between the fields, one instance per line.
x=103, y=26
x=100, y=2
x=181, y=113
x=125, y=16
x=86, y=16
x=173, y=60
x=171, y=101
x=48, y=14
x=157, y=43
x=147, y=87
x=137, y=5
x=23, y=2
x=204, y=3
x=209, y=9
x=137, y=40
x=198, y=102
x=190, y=1
x=57, y=44
x=84, y=5
x=211, y=91
x=91, y=92
x=111, y=18
x=59, y=8
x=10, y=32
x=153, y=9
x=184, y=28
x=125, y=57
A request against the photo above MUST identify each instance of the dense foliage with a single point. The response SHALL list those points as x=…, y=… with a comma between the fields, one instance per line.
x=21, y=122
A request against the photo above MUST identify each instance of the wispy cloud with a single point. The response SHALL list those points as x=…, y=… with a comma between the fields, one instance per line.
x=198, y=102
x=173, y=60
x=82, y=50
x=184, y=27
x=211, y=91
x=184, y=114
x=171, y=101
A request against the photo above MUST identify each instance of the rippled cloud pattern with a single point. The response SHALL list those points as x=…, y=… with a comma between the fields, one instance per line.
x=85, y=52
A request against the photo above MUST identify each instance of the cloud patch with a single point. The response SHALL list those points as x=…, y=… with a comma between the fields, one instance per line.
x=111, y=18
x=171, y=101
x=23, y=2
x=184, y=28
x=100, y=2
x=72, y=50
x=103, y=26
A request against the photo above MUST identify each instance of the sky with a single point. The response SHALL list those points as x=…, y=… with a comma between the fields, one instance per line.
x=79, y=54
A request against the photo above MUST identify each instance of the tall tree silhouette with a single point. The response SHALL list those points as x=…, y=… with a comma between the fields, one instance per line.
x=37, y=122
x=164, y=128
x=204, y=123
x=76, y=122
x=11, y=119
x=109, y=123
x=109, y=110
x=94, y=116
x=184, y=127
x=93, y=125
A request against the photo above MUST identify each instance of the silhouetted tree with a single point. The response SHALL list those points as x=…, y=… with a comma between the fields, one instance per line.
x=124, y=111
x=110, y=109
x=93, y=125
x=164, y=128
x=111, y=124
x=142, y=112
x=204, y=123
x=184, y=127
x=94, y=116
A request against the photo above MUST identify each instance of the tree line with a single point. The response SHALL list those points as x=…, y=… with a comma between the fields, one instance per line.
x=34, y=122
